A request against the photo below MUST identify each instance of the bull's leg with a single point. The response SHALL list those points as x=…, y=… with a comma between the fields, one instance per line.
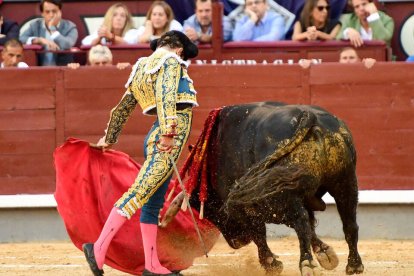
x=298, y=217
x=324, y=253
x=266, y=258
x=346, y=197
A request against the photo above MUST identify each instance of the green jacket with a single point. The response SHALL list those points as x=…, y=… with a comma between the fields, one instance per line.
x=382, y=29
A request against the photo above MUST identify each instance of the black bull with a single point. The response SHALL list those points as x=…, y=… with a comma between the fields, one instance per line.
x=273, y=163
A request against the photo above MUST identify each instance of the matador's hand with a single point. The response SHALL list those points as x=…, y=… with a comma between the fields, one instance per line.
x=101, y=144
x=165, y=144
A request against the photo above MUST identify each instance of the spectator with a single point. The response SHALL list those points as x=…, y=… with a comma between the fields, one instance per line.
x=100, y=56
x=350, y=55
x=346, y=55
x=117, y=27
x=8, y=30
x=160, y=19
x=12, y=54
x=198, y=26
x=52, y=32
x=259, y=24
x=315, y=22
x=366, y=23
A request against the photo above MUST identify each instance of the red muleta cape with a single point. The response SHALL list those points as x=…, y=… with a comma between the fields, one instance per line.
x=88, y=183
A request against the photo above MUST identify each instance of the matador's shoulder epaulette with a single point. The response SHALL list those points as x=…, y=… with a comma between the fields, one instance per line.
x=158, y=58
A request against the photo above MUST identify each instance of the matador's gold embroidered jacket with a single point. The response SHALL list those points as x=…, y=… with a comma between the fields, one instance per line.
x=157, y=83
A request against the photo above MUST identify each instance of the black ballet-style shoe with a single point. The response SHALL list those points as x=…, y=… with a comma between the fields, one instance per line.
x=146, y=272
x=90, y=258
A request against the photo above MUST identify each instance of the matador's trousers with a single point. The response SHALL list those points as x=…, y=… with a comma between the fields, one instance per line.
x=151, y=184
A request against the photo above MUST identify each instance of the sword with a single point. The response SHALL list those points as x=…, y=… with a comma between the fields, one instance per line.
x=187, y=200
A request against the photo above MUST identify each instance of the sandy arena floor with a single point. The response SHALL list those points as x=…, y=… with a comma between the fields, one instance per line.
x=380, y=257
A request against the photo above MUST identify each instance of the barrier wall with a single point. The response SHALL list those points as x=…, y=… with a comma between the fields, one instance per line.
x=41, y=107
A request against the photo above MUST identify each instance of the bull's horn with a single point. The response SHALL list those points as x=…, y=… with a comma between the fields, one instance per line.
x=201, y=216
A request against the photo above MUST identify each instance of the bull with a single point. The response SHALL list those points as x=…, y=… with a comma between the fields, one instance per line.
x=269, y=162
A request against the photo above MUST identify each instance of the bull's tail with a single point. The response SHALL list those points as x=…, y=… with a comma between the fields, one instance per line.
x=259, y=182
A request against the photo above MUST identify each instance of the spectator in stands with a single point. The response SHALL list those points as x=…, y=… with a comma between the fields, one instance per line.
x=350, y=55
x=346, y=55
x=160, y=19
x=53, y=33
x=366, y=23
x=117, y=27
x=100, y=55
x=8, y=30
x=315, y=22
x=198, y=26
x=259, y=24
x=12, y=54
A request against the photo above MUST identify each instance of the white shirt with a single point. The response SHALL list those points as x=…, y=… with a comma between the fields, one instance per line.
x=174, y=26
x=129, y=37
x=19, y=65
x=365, y=34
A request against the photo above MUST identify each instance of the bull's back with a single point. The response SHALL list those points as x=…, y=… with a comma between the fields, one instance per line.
x=249, y=133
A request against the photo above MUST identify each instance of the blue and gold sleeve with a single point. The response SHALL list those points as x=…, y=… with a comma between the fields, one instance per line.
x=119, y=116
x=166, y=87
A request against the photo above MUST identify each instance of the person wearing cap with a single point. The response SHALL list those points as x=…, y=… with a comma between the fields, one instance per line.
x=161, y=86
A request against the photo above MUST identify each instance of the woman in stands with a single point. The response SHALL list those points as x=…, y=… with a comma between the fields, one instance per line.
x=117, y=28
x=315, y=22
x=160, y=19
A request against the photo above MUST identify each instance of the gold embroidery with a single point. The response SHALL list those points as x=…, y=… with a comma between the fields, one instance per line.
x=143, y=84
x=168, y=77
x=166, y=94
x=157, y=167
x=119, y=116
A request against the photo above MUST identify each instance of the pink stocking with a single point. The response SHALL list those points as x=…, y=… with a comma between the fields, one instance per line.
x=111, y=227
x=149, y=240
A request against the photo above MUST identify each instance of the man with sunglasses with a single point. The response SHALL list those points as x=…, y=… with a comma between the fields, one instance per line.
x=259, y=23
x=366, y=23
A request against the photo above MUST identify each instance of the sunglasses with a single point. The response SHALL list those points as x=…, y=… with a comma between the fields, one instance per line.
x=321, y=8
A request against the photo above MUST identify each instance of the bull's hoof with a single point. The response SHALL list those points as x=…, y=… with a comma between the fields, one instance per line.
x=273, y=266
x=309, y=268
x=326, y=256
x=354, y=269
